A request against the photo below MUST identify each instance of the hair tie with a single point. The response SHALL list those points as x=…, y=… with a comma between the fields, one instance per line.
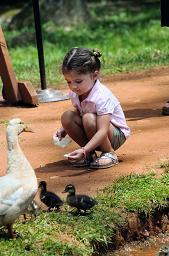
x=97, y=53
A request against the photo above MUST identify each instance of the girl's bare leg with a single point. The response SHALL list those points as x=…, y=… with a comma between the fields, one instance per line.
x=81, y=130
x=72, y=123
x=90, y=127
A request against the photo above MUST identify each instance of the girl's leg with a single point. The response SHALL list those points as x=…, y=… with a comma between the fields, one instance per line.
x=82, y=129
x=90, y=126
x=105, y=160
x=72, y=123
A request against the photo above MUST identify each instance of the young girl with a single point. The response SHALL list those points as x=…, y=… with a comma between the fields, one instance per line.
x=98, y=122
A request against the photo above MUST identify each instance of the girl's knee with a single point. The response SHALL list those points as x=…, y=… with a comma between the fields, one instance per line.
x=89, y=120
x=66, y=117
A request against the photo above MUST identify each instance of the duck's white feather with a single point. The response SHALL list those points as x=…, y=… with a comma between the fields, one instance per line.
x=8, y=185
x=10, y=200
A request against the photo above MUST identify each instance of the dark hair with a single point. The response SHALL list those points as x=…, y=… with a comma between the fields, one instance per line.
x=81, y=60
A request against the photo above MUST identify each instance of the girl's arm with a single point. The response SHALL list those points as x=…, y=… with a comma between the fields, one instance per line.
x=60, y=133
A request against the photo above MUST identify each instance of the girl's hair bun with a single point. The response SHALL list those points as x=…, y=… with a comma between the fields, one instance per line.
x=81, y=60
x=97, y=53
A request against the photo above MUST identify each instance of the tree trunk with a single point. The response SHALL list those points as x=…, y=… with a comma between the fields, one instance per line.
x=71, y=12
x=61, y=12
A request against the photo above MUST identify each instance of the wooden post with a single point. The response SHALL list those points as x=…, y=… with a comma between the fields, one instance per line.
x=14, y=91
x=10, y=91
x=28, y=93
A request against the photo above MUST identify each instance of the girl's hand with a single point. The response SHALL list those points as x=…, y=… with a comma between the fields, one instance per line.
x=76, y=155
x=60, y=133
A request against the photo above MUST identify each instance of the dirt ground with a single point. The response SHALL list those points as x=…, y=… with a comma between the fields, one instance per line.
x=142, y=96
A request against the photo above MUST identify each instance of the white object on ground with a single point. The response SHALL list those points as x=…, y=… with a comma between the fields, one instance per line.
x=66, y=155
x=63, y=142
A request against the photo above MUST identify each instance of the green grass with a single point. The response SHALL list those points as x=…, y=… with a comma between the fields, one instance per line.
x=64, y=234
x=139, y=193
x=128, y=42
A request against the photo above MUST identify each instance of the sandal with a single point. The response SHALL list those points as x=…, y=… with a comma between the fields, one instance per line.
x=113, y=160
x=86, y=162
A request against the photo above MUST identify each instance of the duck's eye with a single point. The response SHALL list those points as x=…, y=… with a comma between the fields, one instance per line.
x=69, y=187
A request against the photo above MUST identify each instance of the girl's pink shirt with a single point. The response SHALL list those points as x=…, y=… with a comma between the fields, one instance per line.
x=102, y=101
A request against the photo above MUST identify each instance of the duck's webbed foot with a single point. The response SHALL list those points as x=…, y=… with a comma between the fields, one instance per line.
x=12, y=234
x=74, y=212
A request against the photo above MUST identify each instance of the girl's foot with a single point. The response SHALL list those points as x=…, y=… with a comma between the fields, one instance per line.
x=105, y=160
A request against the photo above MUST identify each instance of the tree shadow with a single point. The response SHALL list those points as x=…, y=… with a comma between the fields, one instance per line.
x=63, y=168
x=142, y=113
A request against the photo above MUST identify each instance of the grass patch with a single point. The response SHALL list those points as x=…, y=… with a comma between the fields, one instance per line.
x=64, y=234
x=139, y=193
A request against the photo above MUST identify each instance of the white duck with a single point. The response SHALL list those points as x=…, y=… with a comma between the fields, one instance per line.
x=19, y=186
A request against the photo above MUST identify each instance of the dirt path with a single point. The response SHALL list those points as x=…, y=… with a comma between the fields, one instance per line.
x=142, y=96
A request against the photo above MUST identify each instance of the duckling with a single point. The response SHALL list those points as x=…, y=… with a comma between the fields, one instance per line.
x=50, y=199
x=19, y=186
x=33, y=209
x=81, y=202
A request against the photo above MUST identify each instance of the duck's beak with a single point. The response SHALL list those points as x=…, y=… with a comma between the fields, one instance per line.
x=28, y=129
